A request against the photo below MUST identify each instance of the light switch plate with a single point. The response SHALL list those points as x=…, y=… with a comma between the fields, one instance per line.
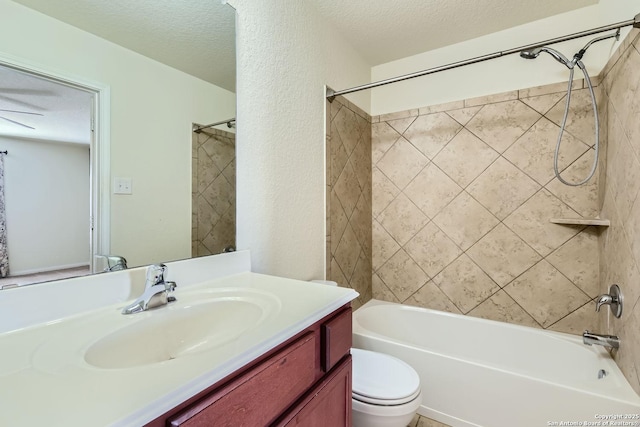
x=122, y=186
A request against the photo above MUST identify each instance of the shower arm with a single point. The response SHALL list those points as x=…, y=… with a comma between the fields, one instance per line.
x=635, y=22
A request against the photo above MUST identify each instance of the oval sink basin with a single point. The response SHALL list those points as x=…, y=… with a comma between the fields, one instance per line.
x=171, y=332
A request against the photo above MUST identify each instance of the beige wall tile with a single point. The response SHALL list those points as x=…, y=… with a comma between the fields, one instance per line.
x=465, y=157
x=577, y=259
x=531, y=222
x=430, y=296
x=381, y=291
x=502, y=308
x=503, y=255
x=584, y=198
x=383, y=136
x=432, y=132
x=465, y=221
x=402, y=162
x=398, y=115
x=338, y=220
x=402, y=219
x=431, y=190
x=578, y=321
x=463, y=115
x=580, y=121
x=401, y=125
x=441, y=107
x=347, y=252
x=543, y=103
x=465, y=283
x=383, y=192
x=502, y=188
x=402, y=275
x=546, y=294
x=432, y=249
x=500, y=125
x=384, y=246
x=547, y=89
x=347, y=189
x=533, y=152
x=348, y=129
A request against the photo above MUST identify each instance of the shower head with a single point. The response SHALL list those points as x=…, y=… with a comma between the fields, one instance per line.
x=533, y=53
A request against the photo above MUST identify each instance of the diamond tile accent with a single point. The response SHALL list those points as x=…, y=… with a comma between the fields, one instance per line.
x=531, y=222
x=582, y=199
x=465, y=157
x=384, y=247
x=503, y=255
x=546, y=294
x=578, y=321
x=347, y=189
x=402, y=163
x=383, y=136
x=430, y=296
x=381, y=291
x=383, y=192
x=338, y=156
x=361, y=162
x=348, y=251
x=465, y=221
x=503, y=308
x=543, y=103
x=402, y=275
x=338, y=222
x=432, y=190
x=533, y=153
x=401, y=125
x=465, y=283
x=432, y=249
x=463, y=115
x=502, y=188
x=402, y=219
x=501, y=124
x=578, y=261
x=348, y=129
x=432, y=132
x=580, y=122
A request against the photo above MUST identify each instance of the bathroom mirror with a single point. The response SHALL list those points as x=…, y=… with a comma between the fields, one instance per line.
x=147, y=88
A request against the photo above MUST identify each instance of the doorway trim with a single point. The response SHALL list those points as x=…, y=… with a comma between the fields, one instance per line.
x=100, y=169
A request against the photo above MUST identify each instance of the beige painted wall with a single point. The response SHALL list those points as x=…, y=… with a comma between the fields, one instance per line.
x=152, y=109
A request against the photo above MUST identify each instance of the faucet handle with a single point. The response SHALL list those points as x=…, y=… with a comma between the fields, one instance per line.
x=155, y=274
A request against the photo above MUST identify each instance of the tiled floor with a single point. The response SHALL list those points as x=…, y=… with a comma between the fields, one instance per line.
x=47, y=276
x=419, y=421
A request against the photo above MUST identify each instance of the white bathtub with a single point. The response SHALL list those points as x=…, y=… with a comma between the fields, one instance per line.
x=477, y=372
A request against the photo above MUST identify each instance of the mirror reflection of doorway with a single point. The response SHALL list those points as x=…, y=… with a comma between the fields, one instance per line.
x=213, y=191
x=46, y=131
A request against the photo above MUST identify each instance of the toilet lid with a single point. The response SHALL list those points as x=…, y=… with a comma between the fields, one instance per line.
x=380, y=377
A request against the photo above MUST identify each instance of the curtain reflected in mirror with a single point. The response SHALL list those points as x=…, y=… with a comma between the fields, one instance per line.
x=213, y=190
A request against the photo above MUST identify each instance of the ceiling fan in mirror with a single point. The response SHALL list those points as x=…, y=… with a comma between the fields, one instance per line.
x=17, y=112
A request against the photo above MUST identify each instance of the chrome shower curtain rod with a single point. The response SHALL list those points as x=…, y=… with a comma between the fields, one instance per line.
x=331, y=94
x=198, y=129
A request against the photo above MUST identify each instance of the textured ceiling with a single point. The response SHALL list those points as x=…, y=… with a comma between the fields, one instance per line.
x=383, y=30
x=65, y=111
x=195, y=36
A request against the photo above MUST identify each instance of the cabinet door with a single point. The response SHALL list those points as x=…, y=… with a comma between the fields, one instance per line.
x=328, y=404
x=259, y=396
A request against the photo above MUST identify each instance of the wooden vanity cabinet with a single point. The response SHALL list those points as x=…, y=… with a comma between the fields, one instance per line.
x=305, y=381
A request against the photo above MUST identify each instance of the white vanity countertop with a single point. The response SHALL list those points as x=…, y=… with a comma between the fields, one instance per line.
x=45, y=379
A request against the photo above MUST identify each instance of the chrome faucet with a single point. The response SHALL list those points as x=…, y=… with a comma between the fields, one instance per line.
x=156, y=291
x=610, y=341
x=115, y=262
x=613, y=299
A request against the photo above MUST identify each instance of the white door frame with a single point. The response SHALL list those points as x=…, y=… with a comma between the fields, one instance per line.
x=100, y=148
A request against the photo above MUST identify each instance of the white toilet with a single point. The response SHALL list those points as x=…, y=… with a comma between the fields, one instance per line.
x=385, y=390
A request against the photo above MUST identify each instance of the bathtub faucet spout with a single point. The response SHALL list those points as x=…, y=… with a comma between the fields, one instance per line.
x=590, y=338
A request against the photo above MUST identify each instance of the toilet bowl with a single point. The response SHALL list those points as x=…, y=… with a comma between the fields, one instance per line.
x=385, y=390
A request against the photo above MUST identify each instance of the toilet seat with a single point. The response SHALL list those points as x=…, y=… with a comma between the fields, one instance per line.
x=383, y=380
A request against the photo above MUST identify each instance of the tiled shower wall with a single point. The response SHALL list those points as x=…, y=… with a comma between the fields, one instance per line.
x=620, y=243
x=462, y=198
x=213, y=192
x=349, y=197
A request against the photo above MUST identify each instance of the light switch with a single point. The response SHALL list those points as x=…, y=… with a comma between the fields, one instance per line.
x=122, y=186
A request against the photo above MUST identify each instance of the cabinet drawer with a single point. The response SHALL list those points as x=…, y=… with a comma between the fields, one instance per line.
x=336, y=339
x=259, y=396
